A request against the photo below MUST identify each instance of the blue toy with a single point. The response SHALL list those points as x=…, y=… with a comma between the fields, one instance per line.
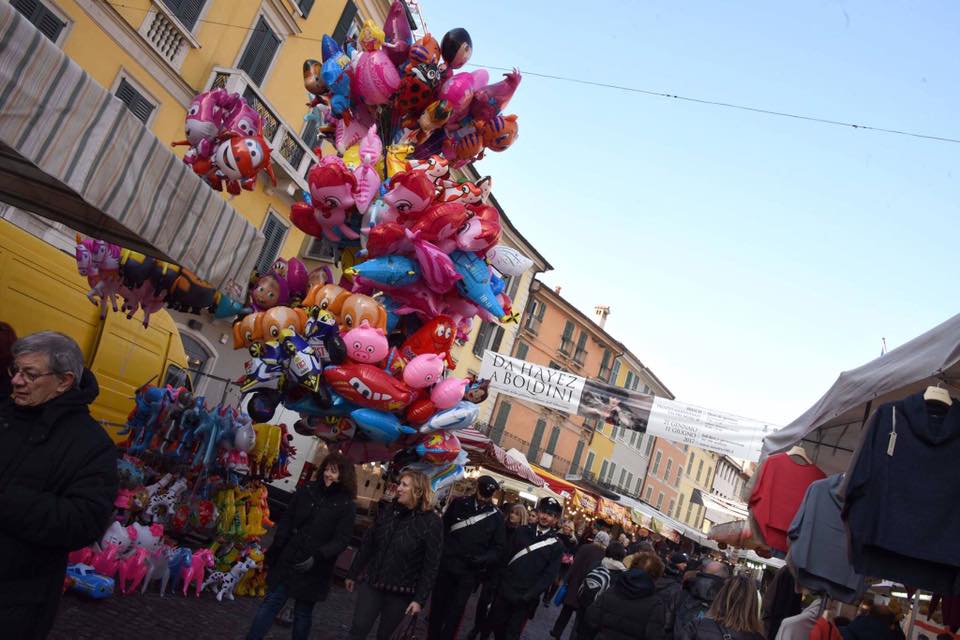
x=387, y=271
x=380, y=426
x=178, y=560
x=89, y=583
x=474, y=283
x=460, y=417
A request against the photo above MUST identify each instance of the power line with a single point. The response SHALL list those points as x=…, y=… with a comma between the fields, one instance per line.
x=647, y=92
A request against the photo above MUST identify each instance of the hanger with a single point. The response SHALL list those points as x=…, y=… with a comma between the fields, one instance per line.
x=937, y=394
x=800, y=452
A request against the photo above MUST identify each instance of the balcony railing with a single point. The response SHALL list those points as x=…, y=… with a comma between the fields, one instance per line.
x=167, y=35
x=291, y=155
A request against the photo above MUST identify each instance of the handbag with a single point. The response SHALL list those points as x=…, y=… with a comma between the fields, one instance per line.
x=561, y=593
x=407, y=629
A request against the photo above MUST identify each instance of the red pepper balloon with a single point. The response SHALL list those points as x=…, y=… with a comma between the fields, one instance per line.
x=435, y=336
x=368, y=386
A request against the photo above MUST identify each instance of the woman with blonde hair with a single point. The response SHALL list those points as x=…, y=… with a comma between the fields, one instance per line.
x=734, y=614
x=398, y=560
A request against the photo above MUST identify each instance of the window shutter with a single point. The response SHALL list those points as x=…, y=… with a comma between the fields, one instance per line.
x=258, y=55
x=42, y=18
x=497, y=340
x=537, y=438
x=274, y=233
x=552, y=442
x=305, y=7
x=567, y=331
x=603, y=470
x=541, y=308
x=615, y=372
x=623, y=475
x=500, y=422
x=576, y=457
x=483, y=337
x=522, y=350
x=346, y=19
x=138, y=105
x=187, y=11
x=639, y=484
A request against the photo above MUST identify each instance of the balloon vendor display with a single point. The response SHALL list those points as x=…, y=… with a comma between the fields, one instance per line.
x=189, y=473
x=365, y=361
x=143, y=282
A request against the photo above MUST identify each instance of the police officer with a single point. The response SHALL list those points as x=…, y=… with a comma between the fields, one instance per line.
x=532, y=564
x=473, y=541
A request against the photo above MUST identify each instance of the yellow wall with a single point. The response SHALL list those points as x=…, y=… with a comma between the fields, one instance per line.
x=602, y=448
x=688, y=482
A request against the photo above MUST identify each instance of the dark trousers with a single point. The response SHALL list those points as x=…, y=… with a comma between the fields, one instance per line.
x=374, y=603
x=552, y=590
x=562, y=620
x=270, y=607
x=450, y=595
x=481, y=618
x=28, y=621
x=507, y=619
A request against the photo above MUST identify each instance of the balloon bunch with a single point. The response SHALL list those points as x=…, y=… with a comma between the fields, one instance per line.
x=145, y=283
x=225, y=136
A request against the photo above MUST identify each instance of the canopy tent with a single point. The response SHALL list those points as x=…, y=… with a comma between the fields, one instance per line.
x=72, y=152
x=557, y=484
x=719, y=509
x=486, y=453
x=833, y=424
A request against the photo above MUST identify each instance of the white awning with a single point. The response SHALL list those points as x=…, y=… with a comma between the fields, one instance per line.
x=72, y=152
x=718, y=509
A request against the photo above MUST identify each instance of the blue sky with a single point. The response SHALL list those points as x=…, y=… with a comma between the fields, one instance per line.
x=747, y=259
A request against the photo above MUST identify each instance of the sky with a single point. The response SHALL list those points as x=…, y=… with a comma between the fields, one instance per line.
x=747, y=259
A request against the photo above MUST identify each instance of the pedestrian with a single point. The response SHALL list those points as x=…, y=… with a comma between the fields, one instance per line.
x=587, y=559
x=630, y=608
x=398, y=560
x=876, y=624
x=591, y=532
x=473, y=541
x=314, y=530
x=596, y=582
x=58, y=478
x=7, y=337
x=670, y=584
x=517, y=517
x=734, y=614
x=694, y=600
x=532, y=565
x=569, y=541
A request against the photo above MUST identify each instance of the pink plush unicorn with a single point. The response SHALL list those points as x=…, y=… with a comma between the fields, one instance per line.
x=202, y=560
x=368, y=180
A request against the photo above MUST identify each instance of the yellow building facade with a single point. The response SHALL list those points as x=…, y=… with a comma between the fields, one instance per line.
x=698, y=472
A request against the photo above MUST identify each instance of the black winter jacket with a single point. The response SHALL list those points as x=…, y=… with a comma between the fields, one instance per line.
x=58, y=481
x=669, y=590
x=628, y=610
x=693, y=603
x=708, y=629
x=318, y=523
x=470, y=549
x=526, y=578
x=401, y=551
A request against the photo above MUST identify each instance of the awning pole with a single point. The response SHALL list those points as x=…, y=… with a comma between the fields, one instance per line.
x=913, y=614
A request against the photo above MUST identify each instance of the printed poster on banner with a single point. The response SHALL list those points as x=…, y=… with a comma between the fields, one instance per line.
x=535, y=383
x=708, y=429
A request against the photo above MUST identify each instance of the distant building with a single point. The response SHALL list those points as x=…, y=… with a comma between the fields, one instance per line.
x=730, y=479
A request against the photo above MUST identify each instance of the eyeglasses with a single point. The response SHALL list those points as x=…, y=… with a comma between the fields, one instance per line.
x=29, y=376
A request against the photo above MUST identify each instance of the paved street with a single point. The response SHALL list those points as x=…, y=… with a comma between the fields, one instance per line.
x=151, y=617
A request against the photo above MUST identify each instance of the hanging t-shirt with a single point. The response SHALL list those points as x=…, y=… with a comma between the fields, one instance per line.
x=777, y=496
x=901, y=494
x=818, y=556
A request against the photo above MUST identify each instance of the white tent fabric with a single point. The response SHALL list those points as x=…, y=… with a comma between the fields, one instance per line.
x=830, y=429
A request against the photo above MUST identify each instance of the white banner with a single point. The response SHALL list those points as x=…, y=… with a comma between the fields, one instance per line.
x=708, y=429
x=532, y=382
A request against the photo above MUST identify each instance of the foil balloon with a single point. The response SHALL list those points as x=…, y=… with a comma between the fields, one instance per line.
x=376, y=78
x=439, y=448
x=397, y=34
x=332, y=188
x=301, y=365
x=490, y=100
x=456, y=48
x=423, y=371
x=335, y=76
x=366, y=344
x=371, y=36
x=409, y=194
x=246, y=437
x=458, y=92
x=368, y=386
x=420, y=411
x=296, y=276
x=358, y=308
x=380, y=425
x=387, y=271
x=436, y=267
x=435, y=336
x=459, y=417
x=368, y=180
x=499, y=133
x=508, y=260
x=482, y=231
x=447, y=393
x=263, y=404
x=270, y=324
x=329, y=428
x=475, y=282
x=440, y=224
x=313, y=80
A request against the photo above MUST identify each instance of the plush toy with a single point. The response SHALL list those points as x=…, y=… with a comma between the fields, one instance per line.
x=201, y=561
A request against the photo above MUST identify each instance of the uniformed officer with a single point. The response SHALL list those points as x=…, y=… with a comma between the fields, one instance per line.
x=532, y=564
x=473, y=541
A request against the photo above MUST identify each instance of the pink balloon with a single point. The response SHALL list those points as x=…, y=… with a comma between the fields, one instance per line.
x=447, y=393
x=376, y=77
x=458, y=91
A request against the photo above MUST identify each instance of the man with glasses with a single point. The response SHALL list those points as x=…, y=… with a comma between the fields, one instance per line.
x=58, y=478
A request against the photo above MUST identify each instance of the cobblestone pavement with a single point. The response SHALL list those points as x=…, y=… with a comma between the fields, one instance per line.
x=150, y=617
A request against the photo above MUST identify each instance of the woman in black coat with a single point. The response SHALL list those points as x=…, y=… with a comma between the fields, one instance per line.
x=313, y=531
x=630, y=609
x=398, y=560
x=732, y=616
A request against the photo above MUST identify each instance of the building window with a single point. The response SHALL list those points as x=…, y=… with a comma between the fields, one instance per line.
x=689, y=510
x=637, y=489
x=656, y=462
x=37, y=14
x=603, y=470
x=199, y=358
x=537, y=438
x=699, y=470
x=552, y=442
x=649, y=493
x=576, y=457
x=580, y=355
x=633, y=438
x=555, y=365
x=615, y=372
x=629, y=380
x=591, y=456
x=500, y=422
x=679, y=505
x=610, y=471
x=679, y=473
x=345, y=22
x=650, y=440
x=135, y=101
x=309, y=133
x=305, y=6
x=187, y=11
x=623, y=477
x=566, y=340
x=709, y=476
x=274, y=234
x=522, y=350
x=666, y=472
x=604, y=372
x=626, y=485
x=670, y=508
x=690, y=464
x=490, y=337
x=260, y=51
x=659, y=500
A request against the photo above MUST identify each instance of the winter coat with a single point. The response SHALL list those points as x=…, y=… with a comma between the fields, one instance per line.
x=670, y=591
x=867, y=628
x=693, y=603
x=401, y=552
x=526, y=578
x=780, y=601
x=709, y=629
x=587, y=559
x=598, y=581
x=471, y=549
x=58, y=481
x=628, y=610
x=318, y=524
